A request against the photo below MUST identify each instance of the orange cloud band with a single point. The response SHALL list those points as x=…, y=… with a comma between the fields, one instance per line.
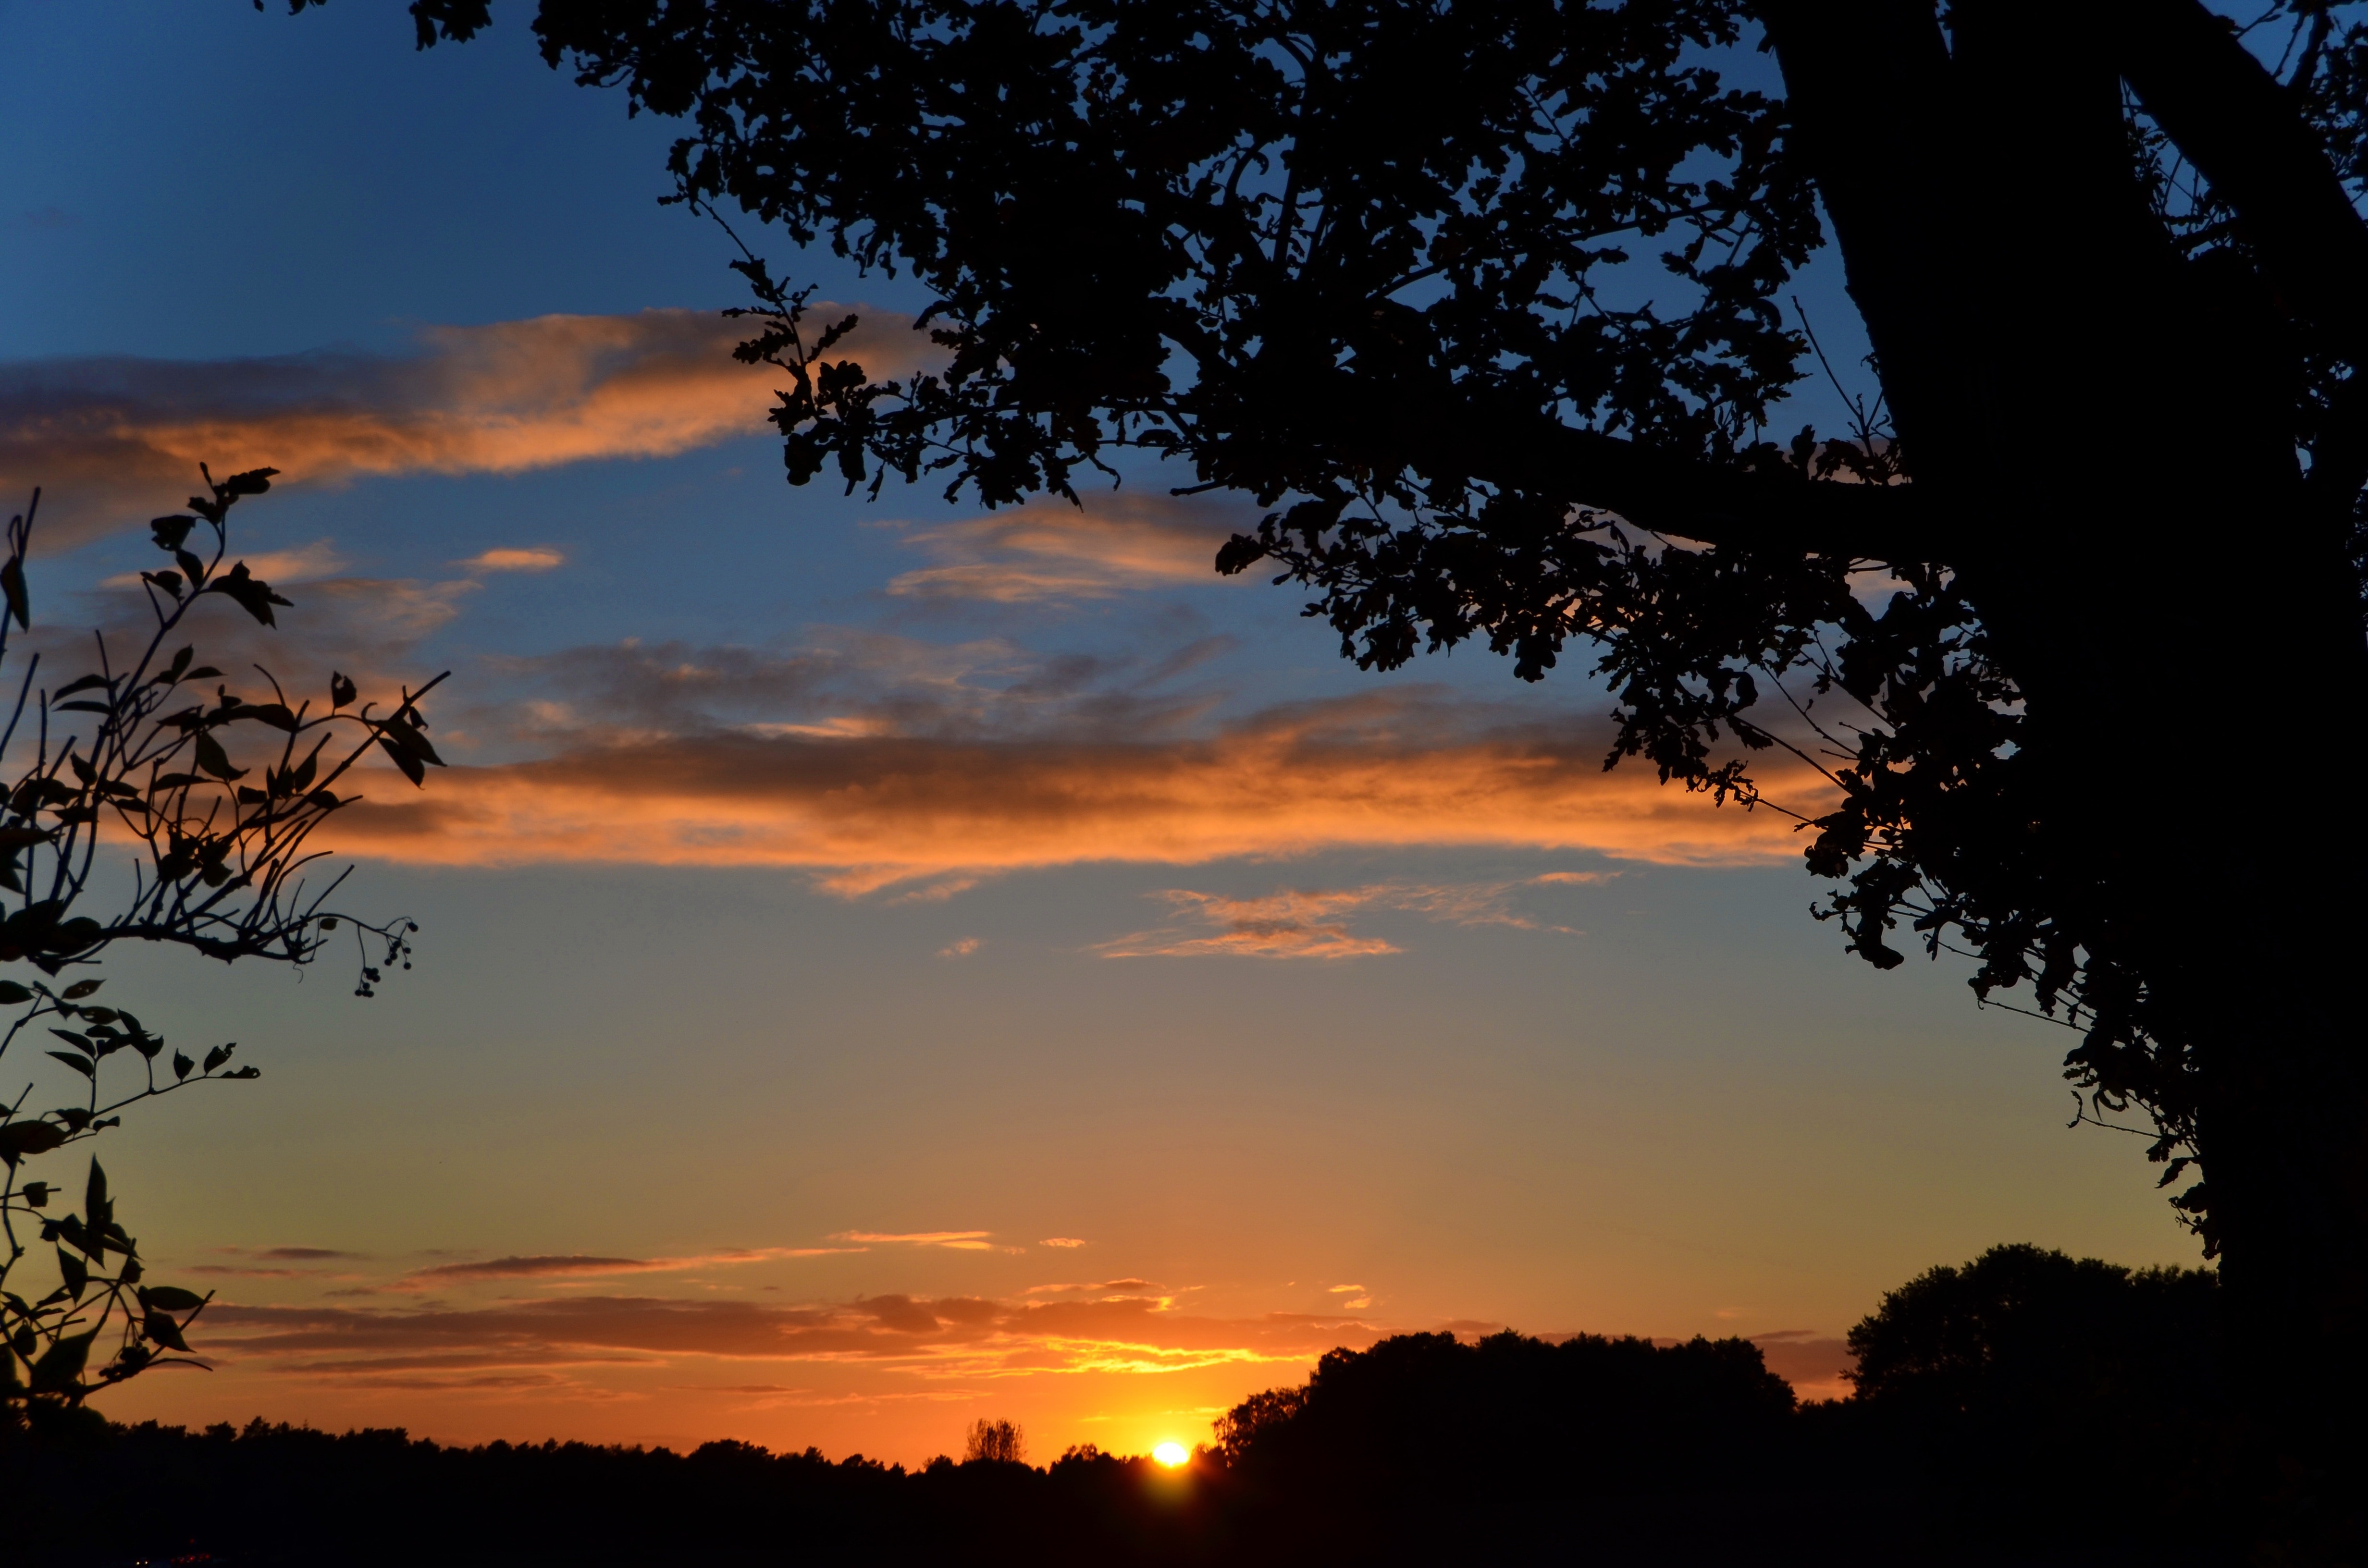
x=949, y=1336
x=119, y=438
x=961, y=1336
x=869, y=813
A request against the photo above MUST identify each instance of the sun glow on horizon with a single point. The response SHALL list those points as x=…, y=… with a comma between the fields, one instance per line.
x=1171, y=1454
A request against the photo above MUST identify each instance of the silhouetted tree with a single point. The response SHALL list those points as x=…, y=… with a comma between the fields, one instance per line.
x=1372, y=264
x=132, y=750
x=1427, y=1449
x=2027, y=1365
x=996, y=1442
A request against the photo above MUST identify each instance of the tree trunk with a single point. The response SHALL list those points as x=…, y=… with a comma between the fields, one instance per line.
x=2108, y=431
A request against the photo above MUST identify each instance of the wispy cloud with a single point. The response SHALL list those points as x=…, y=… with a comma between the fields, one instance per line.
x=1284, y=926
x=843, y=684
x=564, y=1265
x=534, y=560
x=274, y=1263
x=280, y=568
x=557, y=1266
x=959, y=1241
x=929, y=1337
x=1098, y=1287
x=302, y=1254
x=540, y=1267
x=116, y=440
x=1113, y=542
x=1308, y=924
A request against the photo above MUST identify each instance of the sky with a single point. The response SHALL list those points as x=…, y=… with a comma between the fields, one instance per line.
x=884, y=964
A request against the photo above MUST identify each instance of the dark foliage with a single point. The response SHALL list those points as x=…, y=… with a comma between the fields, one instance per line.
x=2026, y=1366
x=225, y=864
x=1486, y=303
x=1446, y=1450
x=1983, y=1388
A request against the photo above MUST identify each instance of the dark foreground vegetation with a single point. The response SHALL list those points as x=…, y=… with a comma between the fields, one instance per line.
x=2026, y=1408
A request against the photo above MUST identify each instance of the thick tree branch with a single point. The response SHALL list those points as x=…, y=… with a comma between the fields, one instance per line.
x=2238, y=126
x=1727, y=505
x=1871, y=96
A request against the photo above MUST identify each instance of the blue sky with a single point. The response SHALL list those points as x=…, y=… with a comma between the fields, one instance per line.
x=834, y=905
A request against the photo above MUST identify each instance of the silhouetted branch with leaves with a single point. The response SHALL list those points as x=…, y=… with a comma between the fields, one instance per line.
x=221, y=863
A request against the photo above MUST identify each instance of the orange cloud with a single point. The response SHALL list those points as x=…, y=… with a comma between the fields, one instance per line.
x=535, y=560
x=1287, y=925
x=872, y=812
x=115, y=439
x=1305, y=925
x=961, y=1240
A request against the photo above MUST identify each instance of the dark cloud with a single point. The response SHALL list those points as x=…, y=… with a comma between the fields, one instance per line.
x=534, y=1267
x=899, y=1315
x=304, y=1254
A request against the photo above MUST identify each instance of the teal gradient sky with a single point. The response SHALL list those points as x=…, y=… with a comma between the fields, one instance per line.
x=1060, y=892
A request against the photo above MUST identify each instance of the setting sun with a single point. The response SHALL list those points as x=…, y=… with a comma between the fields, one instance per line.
x=1170, y=1454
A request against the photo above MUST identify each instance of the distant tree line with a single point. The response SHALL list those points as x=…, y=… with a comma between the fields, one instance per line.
x=2026, y=1408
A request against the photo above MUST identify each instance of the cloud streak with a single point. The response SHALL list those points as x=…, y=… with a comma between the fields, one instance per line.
x=959, y=1241
x=115, y=439
x=865, y=813
x=1285, y=926
x=931, y=1338
x=534, y=560
x=1115, y=543
x=1123, y=1327
x=576, y=1265
x=1306, y=924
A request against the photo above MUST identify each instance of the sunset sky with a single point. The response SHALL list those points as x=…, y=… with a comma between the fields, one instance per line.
x=884, y=963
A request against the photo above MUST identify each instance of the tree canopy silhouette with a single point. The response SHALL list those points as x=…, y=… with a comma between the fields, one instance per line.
x=1486, y=303
x=1427, y=1449
x=2027, y=1365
